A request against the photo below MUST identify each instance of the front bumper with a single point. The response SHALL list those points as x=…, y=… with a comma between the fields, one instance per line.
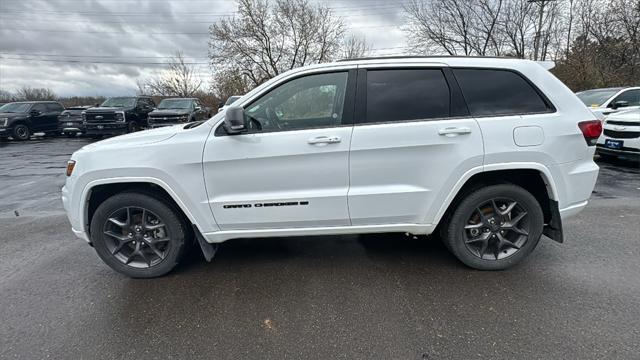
x=5, y=132
x=107, y=128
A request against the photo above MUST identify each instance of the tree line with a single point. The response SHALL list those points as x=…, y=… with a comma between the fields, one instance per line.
x=595, y=43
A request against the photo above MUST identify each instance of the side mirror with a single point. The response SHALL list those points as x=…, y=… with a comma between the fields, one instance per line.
x=234, y=121
x=35, y=112
x=198, y=108
x=619, y=104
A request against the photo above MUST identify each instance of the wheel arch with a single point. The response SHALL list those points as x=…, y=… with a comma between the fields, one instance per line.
x=98, y=191
x=534, y=178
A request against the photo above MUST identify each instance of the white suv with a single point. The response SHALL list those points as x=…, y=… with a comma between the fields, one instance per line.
x=490, y=153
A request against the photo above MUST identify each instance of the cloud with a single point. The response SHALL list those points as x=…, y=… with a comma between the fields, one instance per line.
x=102, y=47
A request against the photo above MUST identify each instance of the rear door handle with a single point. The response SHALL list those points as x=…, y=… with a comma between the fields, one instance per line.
x=324, y=140
x=454, y=131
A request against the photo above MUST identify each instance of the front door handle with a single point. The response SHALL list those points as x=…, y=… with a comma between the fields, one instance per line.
x=324, y=140
x=454, y=131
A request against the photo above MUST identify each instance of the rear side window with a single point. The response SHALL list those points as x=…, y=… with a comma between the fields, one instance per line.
x=406, y=94
x=498, y=92
x=54, y=107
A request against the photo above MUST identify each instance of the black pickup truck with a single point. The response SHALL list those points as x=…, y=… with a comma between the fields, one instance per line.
x=118, y=115
x=178, y=110
x=20, y=120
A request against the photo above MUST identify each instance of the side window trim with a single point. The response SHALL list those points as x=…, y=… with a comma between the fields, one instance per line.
x=550, y=107
x=455, y=97
x=347, y=111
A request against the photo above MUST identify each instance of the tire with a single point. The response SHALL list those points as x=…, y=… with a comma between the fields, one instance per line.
x=133, y=127
x=21, y=132
x=495, y=246
x=126, y=248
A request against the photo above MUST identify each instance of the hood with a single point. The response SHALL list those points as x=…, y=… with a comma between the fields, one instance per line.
x=107, y=109
x=169, y=112
x=13, y=115
x=136, y=139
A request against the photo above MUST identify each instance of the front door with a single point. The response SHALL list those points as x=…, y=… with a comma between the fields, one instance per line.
x=412, y=141
x=292, y=168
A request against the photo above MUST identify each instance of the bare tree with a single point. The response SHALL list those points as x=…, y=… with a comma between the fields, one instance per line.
x=179, y=79
x=355, y=47
x=35, y=94
x=268, y=38
x=455, y=27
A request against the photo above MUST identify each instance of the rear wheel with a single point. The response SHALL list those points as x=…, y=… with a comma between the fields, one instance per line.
x=21, y=132
x=495, y=227
x=138, y=235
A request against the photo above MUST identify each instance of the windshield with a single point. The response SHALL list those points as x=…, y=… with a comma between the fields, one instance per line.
x=15, y=108
x=595, y=98
x=231, y=100
x=175, y=104
x=119, y=102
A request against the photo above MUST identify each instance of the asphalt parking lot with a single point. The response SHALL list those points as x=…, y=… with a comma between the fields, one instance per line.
x=350, y=297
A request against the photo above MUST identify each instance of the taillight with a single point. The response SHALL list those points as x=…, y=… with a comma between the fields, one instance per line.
x=591, y=131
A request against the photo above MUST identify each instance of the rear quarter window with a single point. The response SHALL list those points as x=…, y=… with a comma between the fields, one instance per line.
x=490, y=92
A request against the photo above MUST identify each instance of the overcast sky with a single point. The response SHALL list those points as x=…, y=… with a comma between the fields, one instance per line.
x=86, y=47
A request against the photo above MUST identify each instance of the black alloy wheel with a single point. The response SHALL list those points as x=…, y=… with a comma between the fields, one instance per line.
x=495, y=227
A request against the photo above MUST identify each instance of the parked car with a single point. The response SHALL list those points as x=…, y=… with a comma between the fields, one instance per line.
x=118, y=115
x=20, y=120
x=621, y=136
x=176, y=111
x=610, y=100
x=490, y=153
x=70, y=122
x=229, y=101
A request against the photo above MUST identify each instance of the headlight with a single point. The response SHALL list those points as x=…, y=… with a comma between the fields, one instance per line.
x=3, y=122
x=119, y=116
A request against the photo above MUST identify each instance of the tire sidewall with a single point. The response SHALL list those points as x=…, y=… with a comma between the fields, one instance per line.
x=455, y=229
x=174, y=227
x=18, y=137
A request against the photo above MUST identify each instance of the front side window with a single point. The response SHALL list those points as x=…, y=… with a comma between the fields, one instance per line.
x=490, y=92
x=406, y=94
x=308, y=102
x=41, y=108
x=631, y=97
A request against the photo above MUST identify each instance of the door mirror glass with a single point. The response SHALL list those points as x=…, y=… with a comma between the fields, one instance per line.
x=35, y=112
x=234, y=120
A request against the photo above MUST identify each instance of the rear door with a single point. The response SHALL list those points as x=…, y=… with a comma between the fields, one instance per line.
x=291, y=169
x=412, y=141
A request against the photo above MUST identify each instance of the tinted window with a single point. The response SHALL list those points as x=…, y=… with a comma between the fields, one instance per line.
x=54, y=107
x=396, y=95
x=39, y=107
x=307, y=102
x=498, y=92
x=632, y=97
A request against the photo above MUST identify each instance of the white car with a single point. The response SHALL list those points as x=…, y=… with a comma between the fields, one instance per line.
x=604, y=102
x=621, y=136
x=490, y=153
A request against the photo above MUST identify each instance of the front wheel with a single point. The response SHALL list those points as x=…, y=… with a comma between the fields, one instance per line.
x=138, y=235
x=21, y=132
x=495, y=227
